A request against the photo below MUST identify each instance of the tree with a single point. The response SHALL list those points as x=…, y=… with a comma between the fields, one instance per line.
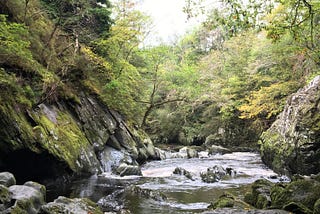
x=120, y=49
x=160, y=91
x=77, y=18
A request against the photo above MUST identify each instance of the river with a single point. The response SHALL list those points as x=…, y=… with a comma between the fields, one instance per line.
x=182, y=194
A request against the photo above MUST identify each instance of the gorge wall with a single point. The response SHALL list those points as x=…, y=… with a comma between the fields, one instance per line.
x=65, y=138
x=292, y=144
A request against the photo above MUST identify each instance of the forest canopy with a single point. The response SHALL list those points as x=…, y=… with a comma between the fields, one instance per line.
x=229, y=77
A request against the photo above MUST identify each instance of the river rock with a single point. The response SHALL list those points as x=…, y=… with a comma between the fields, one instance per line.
x=7, y=179
x=229, y=200
x=260, y=197
x=112, y=202
x=187, y=152
x=213, y=174
x=27, y=199
x=214, y=149
x=146, y=193
x=125, y=170
x=182, y=171
x=71, y=206
x=297, y=195
x=242, y=211
x=291, y=145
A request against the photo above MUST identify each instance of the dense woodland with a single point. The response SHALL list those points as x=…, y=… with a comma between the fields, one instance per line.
x=82, y=94
x=225, y=82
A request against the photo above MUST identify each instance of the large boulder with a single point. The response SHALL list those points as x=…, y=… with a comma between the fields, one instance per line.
x=28, y=199
x=260, y=196
x=7, y=179
x=292, y=144
x=298, y=196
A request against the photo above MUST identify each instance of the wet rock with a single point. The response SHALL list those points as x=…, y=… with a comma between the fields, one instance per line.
x=260, y=197
x=291, y=145
x=27, y=199
x=184, y=152
x=71, y=206
x=214, y=149
x=242, y=211
x=36, y=186
x=181, y=171
x=112, y=202
x=146, y=193
x=125, y=170
x=229, y=200
x=7, y=179
x=160, y=154
x=301, y=194
x=213, y=174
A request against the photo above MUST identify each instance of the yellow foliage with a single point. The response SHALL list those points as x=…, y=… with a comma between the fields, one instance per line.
x=268, y=101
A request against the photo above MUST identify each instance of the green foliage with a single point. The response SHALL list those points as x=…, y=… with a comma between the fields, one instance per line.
x=78, y=17
x=13, y=43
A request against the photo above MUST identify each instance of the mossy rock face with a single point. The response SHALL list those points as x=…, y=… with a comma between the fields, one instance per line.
x=292, y=145
x=300, y=194
x=69, y=136
x=59, y=134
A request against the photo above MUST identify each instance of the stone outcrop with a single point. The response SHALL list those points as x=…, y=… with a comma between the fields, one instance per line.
x=292, y=144
x=27, y=198
x=68, y=137
x=298, y=196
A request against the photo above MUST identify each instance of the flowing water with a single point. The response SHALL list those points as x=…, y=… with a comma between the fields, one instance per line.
x=183, y=195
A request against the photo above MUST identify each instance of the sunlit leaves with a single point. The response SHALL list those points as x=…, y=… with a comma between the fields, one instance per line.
x=13, y=42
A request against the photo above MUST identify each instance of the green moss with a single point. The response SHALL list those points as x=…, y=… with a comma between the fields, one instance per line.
x=296, y=207
x=316, y=208
x=4, y=195
x=262, y=202
x=222, y=202
x=229, y=200
x=305, y=192
x=63, y=138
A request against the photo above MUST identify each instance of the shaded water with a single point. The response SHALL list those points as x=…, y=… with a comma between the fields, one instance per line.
x=183, y=195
